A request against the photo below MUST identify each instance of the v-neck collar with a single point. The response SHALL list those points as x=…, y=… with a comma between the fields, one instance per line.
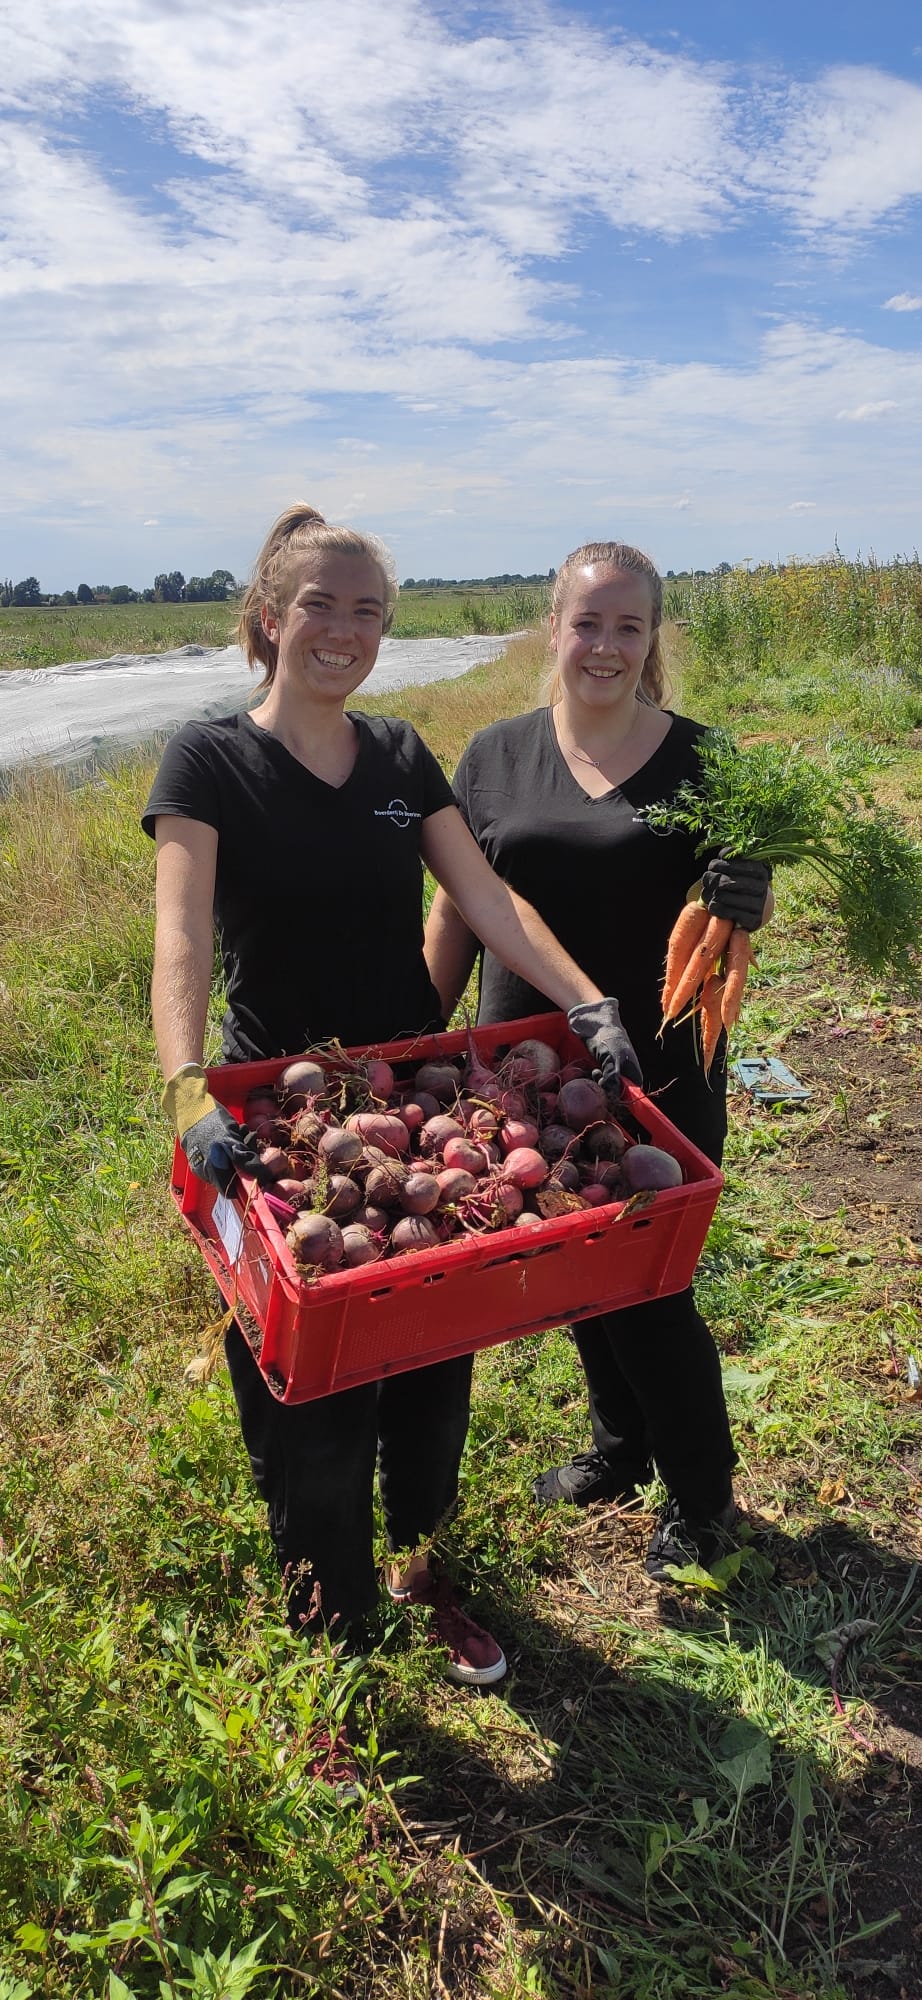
x=614, y=791
x=278, y=748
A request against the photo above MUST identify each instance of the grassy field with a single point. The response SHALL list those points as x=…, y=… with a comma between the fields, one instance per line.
x=675, y=1794
x=48, y=636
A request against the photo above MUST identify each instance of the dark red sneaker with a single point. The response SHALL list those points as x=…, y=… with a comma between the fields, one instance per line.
x=474, y=1658
x=334, y=1765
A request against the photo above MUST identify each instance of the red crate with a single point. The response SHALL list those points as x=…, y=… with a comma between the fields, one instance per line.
x=354, y=1326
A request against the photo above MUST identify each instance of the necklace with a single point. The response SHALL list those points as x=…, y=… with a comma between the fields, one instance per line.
x=581, y=756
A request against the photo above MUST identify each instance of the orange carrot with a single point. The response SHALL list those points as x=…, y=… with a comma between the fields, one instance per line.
x=710, y=1019
x=687, y=931
x=739, y=956
x=703, y=960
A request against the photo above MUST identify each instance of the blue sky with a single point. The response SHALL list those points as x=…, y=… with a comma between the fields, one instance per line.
x=487, y=280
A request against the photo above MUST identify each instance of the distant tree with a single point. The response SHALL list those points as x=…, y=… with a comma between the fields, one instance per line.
x=84, y=594
x=68, y=597
x=148, y=596
x=123, y=594
x=224, y=584
x=6, y=592
x=101, y=590
x=29, y=591
x=169, y=587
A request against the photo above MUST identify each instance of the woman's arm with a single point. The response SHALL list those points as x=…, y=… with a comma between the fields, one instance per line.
x=451, y=951
x=509, y=927
x=187, y=853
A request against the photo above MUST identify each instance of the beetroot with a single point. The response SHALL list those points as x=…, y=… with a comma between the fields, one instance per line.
x=371, y=1217
x=339, y=1149
x=556, y=1142
x=308, y=1128
x=603, y=1142
x=581, y=1102
x=316, y=1241
x=524, y=1167
x=419, y=1194
x=380, y=1076
x=453, y=1185
x=440, y=1079
x=384, y=1184
x=275, y=1161
x=459, y=1152
x=359, y=1246
x=382, y=1129
x=299, y=1083
x=343, y=1197
x=530, y=1062
x=414, y=1232
x=436, y=1130
x=650, y=1167
x=518, y=1132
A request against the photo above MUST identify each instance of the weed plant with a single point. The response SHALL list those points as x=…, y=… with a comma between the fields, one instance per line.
x=655, y=1805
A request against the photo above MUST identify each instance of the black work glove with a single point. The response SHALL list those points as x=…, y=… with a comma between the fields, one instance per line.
x=215, y=1146
x=598, y=1024
x=735, y=889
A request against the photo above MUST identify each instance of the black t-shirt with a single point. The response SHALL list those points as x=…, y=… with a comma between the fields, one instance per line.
x=318, y=891
x=608, y=887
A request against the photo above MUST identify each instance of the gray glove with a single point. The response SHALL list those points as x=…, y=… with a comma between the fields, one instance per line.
x=735, y=889
x=598, y=1024
x=215, y=1146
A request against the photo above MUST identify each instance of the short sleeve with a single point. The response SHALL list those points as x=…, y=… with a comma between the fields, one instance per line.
x=436, y=790
x=185, y=785
x=461, y=787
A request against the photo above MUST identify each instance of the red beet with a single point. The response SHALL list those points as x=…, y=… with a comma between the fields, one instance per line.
x=419, y=1194
x=299, y=1083
x=382, y=1129
x=316, y=1241
x=581, y=1102
x=414, y=1232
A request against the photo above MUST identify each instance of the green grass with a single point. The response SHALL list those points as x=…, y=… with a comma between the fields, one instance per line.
x=657, y=1804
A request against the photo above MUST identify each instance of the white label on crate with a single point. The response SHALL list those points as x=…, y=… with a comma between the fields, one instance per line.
x=229, y=1226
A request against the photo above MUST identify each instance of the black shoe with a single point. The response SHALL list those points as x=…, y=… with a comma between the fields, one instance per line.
x=587, y=1477
x=679, y=1539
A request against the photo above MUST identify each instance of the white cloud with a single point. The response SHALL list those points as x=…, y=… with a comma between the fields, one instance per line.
x=348, y=213
x=865, y=412
x=802, y=507
x=848, y=152
x=903, y=302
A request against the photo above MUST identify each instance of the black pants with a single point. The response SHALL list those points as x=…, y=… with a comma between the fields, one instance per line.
x=314, y=1464
x=655, y=1392
x=655, y=1387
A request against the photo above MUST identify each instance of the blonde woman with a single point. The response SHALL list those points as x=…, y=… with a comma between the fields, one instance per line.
x=300, y=830
x=552, y=797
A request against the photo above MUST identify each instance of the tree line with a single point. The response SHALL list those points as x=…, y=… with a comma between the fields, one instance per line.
x=170, y=587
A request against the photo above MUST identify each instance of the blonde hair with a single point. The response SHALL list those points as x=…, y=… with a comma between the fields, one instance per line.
x=296, y=534
x=654, y=685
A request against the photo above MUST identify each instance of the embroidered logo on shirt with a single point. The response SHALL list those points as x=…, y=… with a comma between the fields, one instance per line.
x=398, y=811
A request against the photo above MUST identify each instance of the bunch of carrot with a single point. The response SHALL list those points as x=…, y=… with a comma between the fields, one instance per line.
x=707, y=962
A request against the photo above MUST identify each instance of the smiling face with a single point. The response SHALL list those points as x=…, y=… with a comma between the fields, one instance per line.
x=329, y=633
x=601, y=634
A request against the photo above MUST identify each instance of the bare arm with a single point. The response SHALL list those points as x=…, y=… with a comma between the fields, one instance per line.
x=184, y=943
x=509, y=927
x=451, y=950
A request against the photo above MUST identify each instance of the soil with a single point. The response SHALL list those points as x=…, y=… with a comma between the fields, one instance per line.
x=858, y=1143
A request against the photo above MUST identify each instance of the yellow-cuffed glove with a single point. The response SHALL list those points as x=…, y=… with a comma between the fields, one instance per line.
x=215, y=1146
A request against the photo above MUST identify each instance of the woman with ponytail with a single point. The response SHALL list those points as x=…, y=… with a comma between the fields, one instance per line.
x=553, y=797
x=300, y=829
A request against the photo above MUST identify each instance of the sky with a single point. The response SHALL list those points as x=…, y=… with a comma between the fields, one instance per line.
x=487, y=280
